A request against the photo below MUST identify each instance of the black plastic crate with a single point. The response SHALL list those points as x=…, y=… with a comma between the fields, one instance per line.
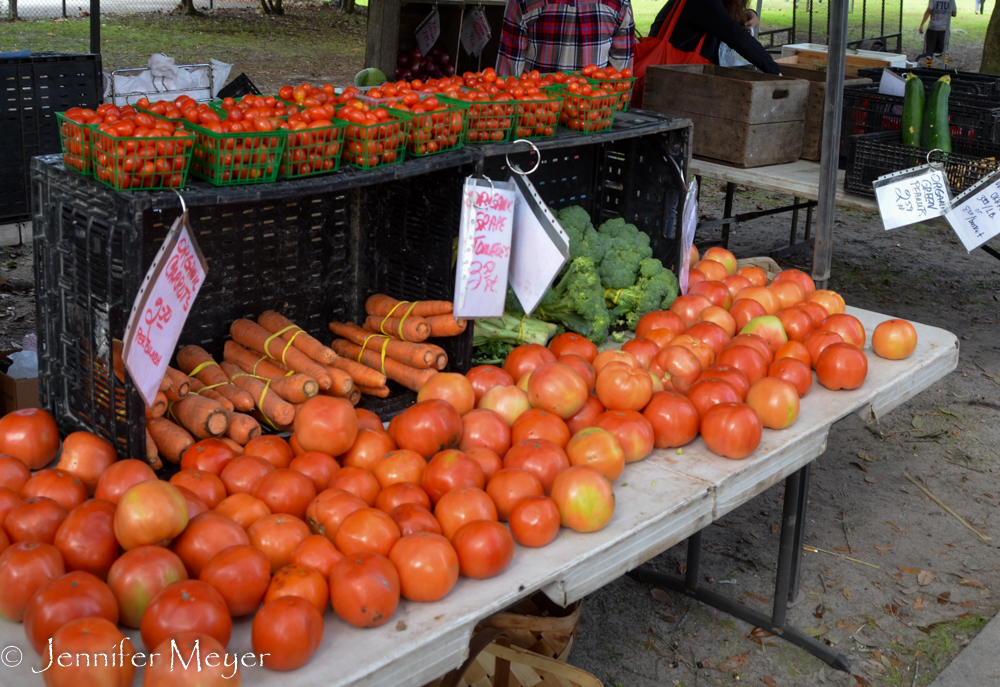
x=313, y=249
x=962, y=83
x=237, y=88
x=871, y=156
x=32, y=90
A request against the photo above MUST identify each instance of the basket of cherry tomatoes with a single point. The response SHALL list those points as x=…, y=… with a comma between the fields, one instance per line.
x=437, y=125
x=610, y=79
x=513, y=105
x=586, y=108
x=75, y=138
x=140, y=151
x=375, y=137
x=315, y=142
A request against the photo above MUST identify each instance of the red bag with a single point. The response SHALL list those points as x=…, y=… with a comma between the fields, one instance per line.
x=654, y=50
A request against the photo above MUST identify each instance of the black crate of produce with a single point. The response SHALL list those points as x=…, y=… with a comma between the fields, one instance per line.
x=312, y=249
x=963, y=83
x=32, y=90
x=873, y=155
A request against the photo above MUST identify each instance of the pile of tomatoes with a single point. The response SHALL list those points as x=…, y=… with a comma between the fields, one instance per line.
x=374, y=135
x=615, y=81
x=434, y=126
x=306, y=95
x=587, y=108
x=74, y=135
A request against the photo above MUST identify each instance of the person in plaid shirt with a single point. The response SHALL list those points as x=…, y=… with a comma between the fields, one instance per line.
x=565, y=35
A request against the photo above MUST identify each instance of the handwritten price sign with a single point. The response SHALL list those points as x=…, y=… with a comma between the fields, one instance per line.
x=428, y=31
x=975, y=215
x=476, y=32
x=912, y=196
x=483, y=249
x=161, y=308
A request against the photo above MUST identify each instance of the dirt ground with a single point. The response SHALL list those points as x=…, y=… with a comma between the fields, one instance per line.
x=17, y=295
x=927, y=586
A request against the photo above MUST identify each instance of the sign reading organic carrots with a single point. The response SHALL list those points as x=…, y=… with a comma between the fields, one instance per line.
x=484, y=239
x=162, y=306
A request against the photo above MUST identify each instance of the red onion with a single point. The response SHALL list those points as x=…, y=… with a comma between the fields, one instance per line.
x=443, y=59
x=449, y=70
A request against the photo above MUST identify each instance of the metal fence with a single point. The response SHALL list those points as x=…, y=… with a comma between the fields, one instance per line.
x=871, y=24
x=54, y=9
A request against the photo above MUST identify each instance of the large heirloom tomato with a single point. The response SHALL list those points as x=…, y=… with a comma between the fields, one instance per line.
x=585, y=498
x=288, y=631
x=427, y=427
x=674, y=419
x=557, y=388
x=894, y=339
x=31, y=436
x=326, y=424
x=732, y=430
x=842, y=366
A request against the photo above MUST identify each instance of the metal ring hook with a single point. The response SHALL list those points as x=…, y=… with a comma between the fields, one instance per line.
x=538, y=161
x=183, y=204
x=938, y=164
x=493, y=193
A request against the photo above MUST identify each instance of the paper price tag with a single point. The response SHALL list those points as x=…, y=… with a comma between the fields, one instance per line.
x=162, y=306
x=476, y=31
x=484, y=247
x=689, y=222
x=428, y=31
x=540, y=246
x=975, y=214
x=911, y=196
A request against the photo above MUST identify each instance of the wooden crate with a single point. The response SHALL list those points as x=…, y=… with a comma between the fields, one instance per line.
x=745, y=118
x=809, y=59
x=813, y=134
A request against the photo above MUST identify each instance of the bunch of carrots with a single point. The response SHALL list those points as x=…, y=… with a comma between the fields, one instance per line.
x=392, y=342
x=271, y=367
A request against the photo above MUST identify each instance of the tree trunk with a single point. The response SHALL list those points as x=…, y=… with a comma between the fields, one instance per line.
x=991, y=46
x=272, y=6
x=13, y=10
x=347, y=6
x=188, y=8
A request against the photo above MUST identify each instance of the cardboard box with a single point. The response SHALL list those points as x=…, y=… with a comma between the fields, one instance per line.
x=17, y=393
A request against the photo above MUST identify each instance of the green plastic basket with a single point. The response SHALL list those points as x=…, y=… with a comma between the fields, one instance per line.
x=623, y=87
x=131, y=163
x=438, y=131
x=75, y=139
x=538, y=118
x=368, y=146
x=178, y=122
x=586, y=114
x=236, y=159
x=309, y=152
x=487, y=121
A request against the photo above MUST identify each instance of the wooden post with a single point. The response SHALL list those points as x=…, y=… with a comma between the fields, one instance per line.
x=383, y=35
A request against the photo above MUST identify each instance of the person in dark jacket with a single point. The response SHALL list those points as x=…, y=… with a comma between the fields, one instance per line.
x=703, y=25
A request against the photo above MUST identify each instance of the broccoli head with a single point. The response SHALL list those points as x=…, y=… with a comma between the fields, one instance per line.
x=584, y=241
x=577, y=302
x=655, y=286
x=626, y=248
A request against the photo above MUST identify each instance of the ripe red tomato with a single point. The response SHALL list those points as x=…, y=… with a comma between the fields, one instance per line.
x=710, y=334
x=485, y=428
x=509, y=486
x=318, y=553
x=241, y=475
x=90, y=637
x=776, y=402
x=139, y=575
x=449, y=387
x=732, y=430
x=799, y=277
x=412, y=518
x=817, y=342
x=797, y=323
x=329, y=509
x=708, y=392
x=427, y=566
x=485, y=549
x=74, y=595
x=206, y=486
x=794, y=349
x=241, y=575
x=285, y=491
x=288, y=631
x=543, y=458
x=605, y=358
x=731, y=375
x=34, y=519
x=449, y=470
x=463, y=505
x=186, y=606
x=624, y=389
x=688, y=308
x=357, y=481
x=715, y=291
x=271, y=448
x=114, y=481
x=767, y=299
x=787, y=292
x=584, y=497
x=793, y=371
x=534, y=521
x=539, y=424
x=364, y=589
x=319, y=467
x=62, y=487
x=25, y=568
x=633, y=431
x=31, y=436
x=366, y=529
x=150, y=514
x=213, y=670
x=720, y=317
x=244, y=509
x=13, y=474
x=485, y=377
x=660, y=319
x=704, y=352
x=558, y=389
x=368, y=420
x=735, y=283
x=746, y=359
x=842, y=366
x=86, y=456
x=583, y=419
x=569, y=343
x=297, y=580
x=816, y=311
x=368, y=448
x=526, y=358
x=582, y=368
x=831, y=301
x=848, y=326
x=8, y=500
x=326, y=424
x=745, y=310
x=677, y=367
x=509, y=401
x=427, y=428
x=210, y=455
x=488, y=460
x=86, y=538
x=206, y=535
x=599, y=449
x=277, y=536
x=894, y=339
x=674, y=419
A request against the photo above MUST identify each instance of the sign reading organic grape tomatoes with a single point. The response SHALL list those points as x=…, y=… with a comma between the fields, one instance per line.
x=162, y=306
x=484, y=239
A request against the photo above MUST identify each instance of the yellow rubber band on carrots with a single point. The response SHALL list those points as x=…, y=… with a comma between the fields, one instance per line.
x=267, y=342
x=260, y=401
x=385, y=343
x=195, y=371
x=206, y=388
x=259, y=361
x=402, y=319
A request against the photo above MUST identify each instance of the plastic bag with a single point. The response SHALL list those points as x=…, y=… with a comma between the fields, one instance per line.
x=729, y=57
x=24, y=365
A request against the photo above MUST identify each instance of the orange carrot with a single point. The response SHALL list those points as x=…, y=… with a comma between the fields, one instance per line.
x=274, y=323
x=179, y=382
x=159, y=406
x=294, y=388
x=198, y=388
x=413, y=329
x=171, y=440
x=116, y=359
x=413, y=354
x=361, y=374
x=380, y=391
x=242, y=428
x=355, y=398
x=380, y=304
x=196, y=361
x=263, y=419
x=167, y=383
x=270, y=404
x=446, y=325
x=202, y=417
x=410, y=377
x=152, y=455
x=253, y=336
x=236, y=448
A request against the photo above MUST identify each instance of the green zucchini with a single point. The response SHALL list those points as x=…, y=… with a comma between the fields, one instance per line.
x=936, y=132
x=913, y=111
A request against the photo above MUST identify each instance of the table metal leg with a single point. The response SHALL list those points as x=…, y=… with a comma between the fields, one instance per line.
x=795, y=489
x=991, y=251
x=800, y=533
x=795, y=222
x=727, y=212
